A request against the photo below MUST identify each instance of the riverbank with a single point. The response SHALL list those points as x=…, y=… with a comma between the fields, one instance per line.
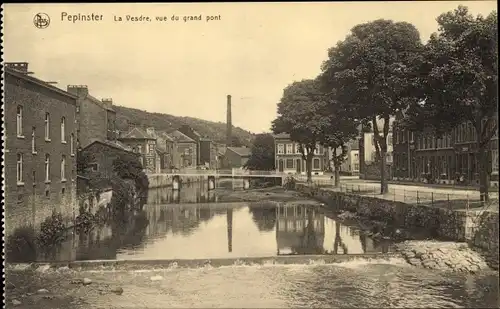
x=397, y=220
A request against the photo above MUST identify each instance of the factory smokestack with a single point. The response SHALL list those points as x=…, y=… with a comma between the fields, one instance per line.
x=229, y=124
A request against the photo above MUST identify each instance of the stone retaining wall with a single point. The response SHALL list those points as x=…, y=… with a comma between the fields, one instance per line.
x=480, y=228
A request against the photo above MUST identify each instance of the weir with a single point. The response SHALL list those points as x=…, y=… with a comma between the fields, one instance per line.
x=217, y=262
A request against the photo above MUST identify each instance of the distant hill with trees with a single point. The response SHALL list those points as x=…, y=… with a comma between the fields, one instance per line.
x=216, y=131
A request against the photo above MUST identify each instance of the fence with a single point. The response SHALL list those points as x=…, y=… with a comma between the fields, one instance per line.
x=464, y=200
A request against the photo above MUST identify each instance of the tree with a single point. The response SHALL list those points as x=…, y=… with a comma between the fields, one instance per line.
x=341, y=130
x=370, y=73
x=459, y=81
x=262, y=153
x=301, y=114
x=235, y=141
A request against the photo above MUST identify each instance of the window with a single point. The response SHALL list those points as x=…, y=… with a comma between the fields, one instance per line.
x=289, y=163
x=151, y=148
x=289, y=148
x=33, y=143
x=139, y=147
x=19, y=121
x=356, y=166
x=316, y=164
x=47, y=167
x=19, y=168
x=72, y=144
x=63, y=168
x=47, y=126
x=33, y=177
x=411, y=137
x=316, y=150
x=439, y=143
x=389, y=139
x=94, y=167
x=281, y=149
x=297, y=148
x=494, y=161
x=63, y=130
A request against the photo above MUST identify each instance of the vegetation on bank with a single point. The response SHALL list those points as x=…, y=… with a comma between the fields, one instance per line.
x=262, y=153
x=216, y=131
x=129, y=185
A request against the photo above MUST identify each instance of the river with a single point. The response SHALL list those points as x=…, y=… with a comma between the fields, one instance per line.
x=196, y=224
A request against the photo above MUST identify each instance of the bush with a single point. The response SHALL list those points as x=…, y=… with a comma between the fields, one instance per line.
x=52, y=232
x=20, y=246
x=85, y=221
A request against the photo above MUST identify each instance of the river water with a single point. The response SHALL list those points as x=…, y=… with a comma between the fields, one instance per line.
x=196, y=224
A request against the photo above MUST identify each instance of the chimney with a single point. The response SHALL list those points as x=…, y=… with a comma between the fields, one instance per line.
x=79, y=90
x=229, y=124
x=18, y=66
x=229, y=225
x=107, y=101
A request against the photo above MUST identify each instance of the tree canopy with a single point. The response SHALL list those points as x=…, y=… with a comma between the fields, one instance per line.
x=301, y=113
x=262, y=157
x=370, y=74
x=458, y=80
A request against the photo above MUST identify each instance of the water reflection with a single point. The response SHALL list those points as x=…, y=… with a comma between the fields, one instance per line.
x=218, y=230
x=189, y=193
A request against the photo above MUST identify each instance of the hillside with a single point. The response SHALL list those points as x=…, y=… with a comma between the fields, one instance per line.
x=213, y=130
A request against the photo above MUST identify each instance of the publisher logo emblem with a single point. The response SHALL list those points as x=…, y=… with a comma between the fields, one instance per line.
x=41, y=20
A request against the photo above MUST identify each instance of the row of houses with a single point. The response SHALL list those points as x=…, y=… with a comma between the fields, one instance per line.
x=417, y=157
x=449, y=159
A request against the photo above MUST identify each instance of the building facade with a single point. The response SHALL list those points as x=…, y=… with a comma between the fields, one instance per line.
x=289, y=158
x=40, y=155
x=186, y=150
x=102, y=154
x=203, y=145
x=235, y=157
x=449, y=159
x=143, y=143
x=368, y=165
x=96, y=119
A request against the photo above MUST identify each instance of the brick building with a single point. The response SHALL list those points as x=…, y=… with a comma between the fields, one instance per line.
x=203, y=145
x=289, y=159
x=102, y=154
x=95, y=118
x=143, y=143
x=235, y=157
x=186, y=150
x=424, y=157
x=165, y=146
x=40, y=153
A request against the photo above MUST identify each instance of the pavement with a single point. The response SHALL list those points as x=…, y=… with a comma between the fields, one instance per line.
x=445, y=197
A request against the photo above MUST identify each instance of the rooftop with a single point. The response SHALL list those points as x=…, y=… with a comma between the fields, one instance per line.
x=137, y=133
x=180, y=137
x=112, y=144
x=242, y=151
x=37, y=81
x=281, y=135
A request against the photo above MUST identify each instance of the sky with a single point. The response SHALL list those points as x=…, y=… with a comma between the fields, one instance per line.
x=187, y=68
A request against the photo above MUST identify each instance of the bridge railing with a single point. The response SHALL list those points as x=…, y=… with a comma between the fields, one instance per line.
x=235, y=171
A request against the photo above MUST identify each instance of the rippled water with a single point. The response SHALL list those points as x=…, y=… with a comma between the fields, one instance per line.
x=355, y=284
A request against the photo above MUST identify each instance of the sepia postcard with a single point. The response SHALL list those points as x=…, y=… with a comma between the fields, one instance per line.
x=250, y=155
